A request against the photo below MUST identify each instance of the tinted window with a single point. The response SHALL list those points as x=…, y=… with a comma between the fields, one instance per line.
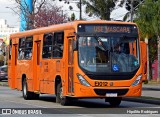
x=58, y=45
x=25, y=48
x=47, y=45
x=10, y=48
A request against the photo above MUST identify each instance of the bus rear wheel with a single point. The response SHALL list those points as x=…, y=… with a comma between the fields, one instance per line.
x=114, y=101
x=26, y=94
x=63, y=100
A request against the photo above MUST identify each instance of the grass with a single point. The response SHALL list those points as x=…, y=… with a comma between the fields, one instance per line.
x=2, y=83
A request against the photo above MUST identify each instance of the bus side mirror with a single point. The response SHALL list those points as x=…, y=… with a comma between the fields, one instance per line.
x=75, y=46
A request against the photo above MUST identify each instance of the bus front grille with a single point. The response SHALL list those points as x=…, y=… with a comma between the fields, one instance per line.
x=103, y=92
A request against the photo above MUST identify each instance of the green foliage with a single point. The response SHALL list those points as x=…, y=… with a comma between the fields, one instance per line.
x=72, y=17
x=127, y=4
x=148, y=18
x=100, y=8
x=152, y=49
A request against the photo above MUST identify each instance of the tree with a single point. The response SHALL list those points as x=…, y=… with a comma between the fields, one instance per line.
x=49, y=15
x=72, y=17
x=148, y=21
x=128, y=4
x=41, y=9
x=152, y=43
x=3, y=52
x=28, y=16
x=100, y=8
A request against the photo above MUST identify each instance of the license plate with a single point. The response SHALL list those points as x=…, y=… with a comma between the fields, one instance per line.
x=111, y=94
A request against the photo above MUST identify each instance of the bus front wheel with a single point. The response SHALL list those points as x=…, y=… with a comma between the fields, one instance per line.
x=63, y=100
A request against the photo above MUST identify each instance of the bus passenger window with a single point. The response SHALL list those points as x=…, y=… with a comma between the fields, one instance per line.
x=28, y=48
x=21, y=48
x=58, y=45
x=47, y=45
x=21, y=53
x=10, y=49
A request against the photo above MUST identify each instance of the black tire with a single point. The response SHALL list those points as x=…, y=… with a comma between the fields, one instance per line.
x=36, y=96
x=114, y=101
x=63, y=100
x=58, y=99
x=26, y=94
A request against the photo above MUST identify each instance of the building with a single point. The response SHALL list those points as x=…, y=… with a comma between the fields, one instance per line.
x=5, y=31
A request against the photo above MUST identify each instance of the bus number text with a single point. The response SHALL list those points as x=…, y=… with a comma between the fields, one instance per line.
x=101, y=84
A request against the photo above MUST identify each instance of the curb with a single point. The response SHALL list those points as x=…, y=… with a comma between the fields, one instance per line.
x=142, y=100
x=151, y=88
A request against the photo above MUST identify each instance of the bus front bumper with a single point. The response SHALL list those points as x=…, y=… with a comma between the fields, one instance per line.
x=81, y=91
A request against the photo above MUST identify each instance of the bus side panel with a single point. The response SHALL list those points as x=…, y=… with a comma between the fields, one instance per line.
x=29, y=74
x=9, y=74
x=49, y=70
x=51, y=76
x=25, y=68
x=47, y=76
x=12, y=66
x=143, y=46
x=19, y=74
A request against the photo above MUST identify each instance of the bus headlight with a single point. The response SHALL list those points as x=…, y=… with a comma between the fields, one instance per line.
x=137, y=81
x=83, y=80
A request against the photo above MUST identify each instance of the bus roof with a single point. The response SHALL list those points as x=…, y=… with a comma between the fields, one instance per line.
x=64, y=26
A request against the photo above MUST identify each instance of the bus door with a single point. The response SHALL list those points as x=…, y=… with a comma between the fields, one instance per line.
x=144, y=59
x=14, y=66
x=37, y=65
x=46, y=65
x=70, y=66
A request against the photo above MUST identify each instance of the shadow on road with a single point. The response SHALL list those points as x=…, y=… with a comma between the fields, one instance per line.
x=85, y=103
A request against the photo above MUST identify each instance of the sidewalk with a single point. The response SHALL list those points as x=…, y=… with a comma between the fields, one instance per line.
x=150, y=94
x=151, y=87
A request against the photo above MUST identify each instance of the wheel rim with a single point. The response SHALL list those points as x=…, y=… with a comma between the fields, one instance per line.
x=61, y=93
x=24, y=89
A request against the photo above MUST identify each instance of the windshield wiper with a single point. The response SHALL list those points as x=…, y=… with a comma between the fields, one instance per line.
x=102, y=44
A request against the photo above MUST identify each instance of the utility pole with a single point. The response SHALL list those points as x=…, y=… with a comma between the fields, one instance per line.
x=80, y=9
x=25, y=5
x=131, y=11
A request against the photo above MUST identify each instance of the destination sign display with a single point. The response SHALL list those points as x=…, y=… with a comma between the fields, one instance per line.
x=107, y=28
x=111, y=29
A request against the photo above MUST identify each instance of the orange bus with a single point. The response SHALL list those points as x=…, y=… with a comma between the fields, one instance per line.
x=80, y=59
x=144, y=61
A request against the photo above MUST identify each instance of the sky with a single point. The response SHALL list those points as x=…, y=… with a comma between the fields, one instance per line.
x=13, y=18
x=8, y=13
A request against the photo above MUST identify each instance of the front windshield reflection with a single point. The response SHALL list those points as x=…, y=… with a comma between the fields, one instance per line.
x=108, y=54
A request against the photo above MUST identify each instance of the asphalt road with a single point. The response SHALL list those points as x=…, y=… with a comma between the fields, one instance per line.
x=12, y=99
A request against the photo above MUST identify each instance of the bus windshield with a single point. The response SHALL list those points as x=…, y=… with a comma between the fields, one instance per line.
x=108, y=53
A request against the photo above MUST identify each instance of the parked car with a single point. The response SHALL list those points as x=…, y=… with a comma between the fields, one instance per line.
x=3, y=73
